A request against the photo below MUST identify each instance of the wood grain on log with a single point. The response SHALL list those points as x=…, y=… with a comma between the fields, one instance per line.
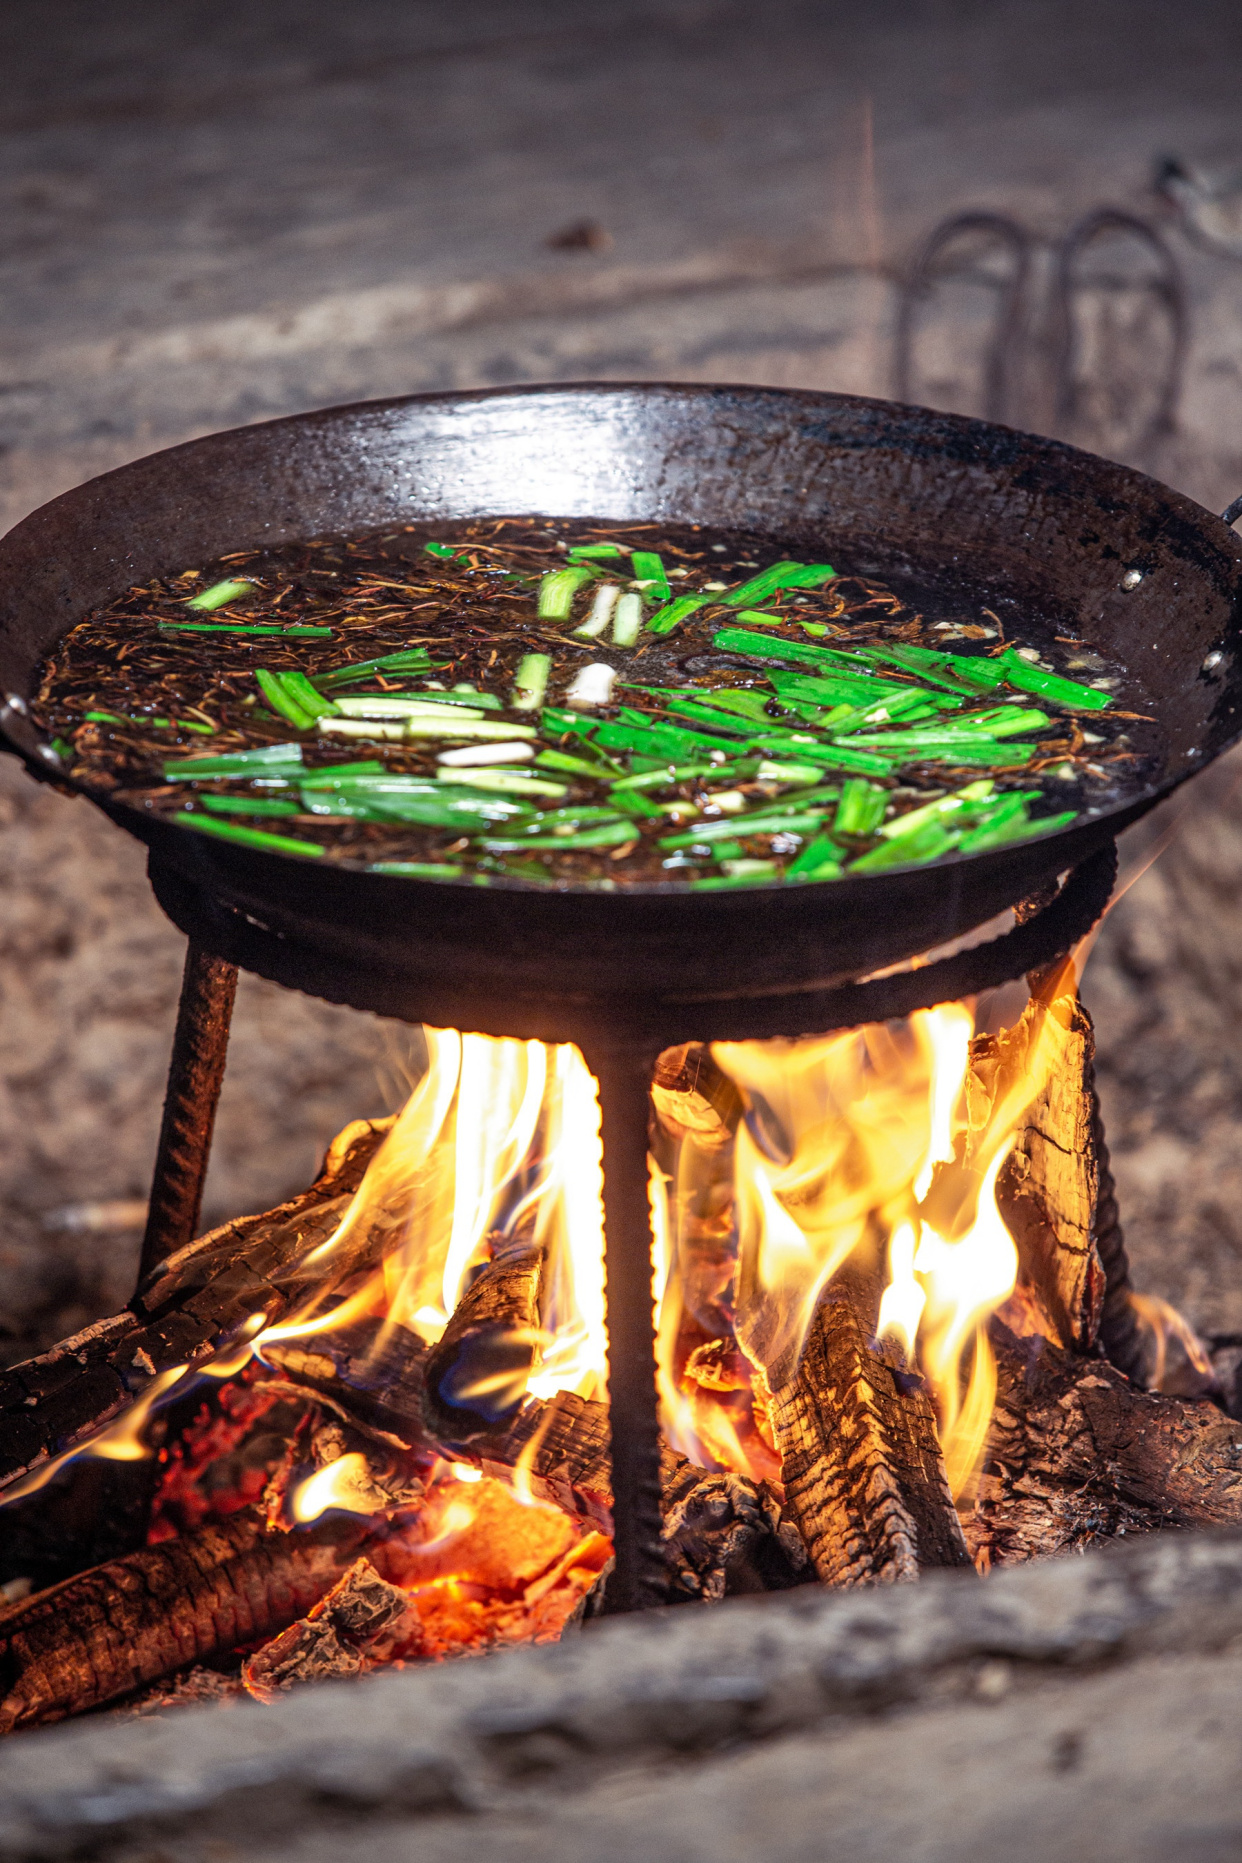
x=1077, y=1455
x=1049, y=1187
x=863, y=1474
x=474, y=1377
x=100, y=1635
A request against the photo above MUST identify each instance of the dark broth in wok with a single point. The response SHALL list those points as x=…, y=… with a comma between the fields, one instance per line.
x=587, y=703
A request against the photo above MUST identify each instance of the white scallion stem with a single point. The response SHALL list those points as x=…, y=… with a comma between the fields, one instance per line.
x=591, y=686
x=472, y=754
x=628, y=623
x=601, y=611
x=530, y=682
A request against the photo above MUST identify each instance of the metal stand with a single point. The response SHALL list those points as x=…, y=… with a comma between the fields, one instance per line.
x=195, y=1074
x=624, y=1077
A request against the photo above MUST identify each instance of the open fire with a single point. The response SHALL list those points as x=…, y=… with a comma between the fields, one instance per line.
x=845, y=1230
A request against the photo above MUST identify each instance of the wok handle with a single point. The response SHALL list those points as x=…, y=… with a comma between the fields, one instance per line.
x=1232, y=513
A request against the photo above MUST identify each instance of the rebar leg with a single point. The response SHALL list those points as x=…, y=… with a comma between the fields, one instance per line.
x=195, y=1074
x=624, y=1077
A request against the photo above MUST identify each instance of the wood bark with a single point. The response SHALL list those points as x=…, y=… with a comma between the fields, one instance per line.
x=108, y=1631
x=196, y=1298
x=1077, y=1456
x=863, y=1474
x=474, y=1377
x=1049, y=1188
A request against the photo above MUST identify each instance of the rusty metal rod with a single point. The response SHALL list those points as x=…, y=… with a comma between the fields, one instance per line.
x=195, y=1074
x=624, y=1077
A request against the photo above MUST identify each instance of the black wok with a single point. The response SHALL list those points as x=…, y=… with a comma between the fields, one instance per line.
x=994, y=515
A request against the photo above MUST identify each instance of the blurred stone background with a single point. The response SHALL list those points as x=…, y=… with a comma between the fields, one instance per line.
x=213, y=216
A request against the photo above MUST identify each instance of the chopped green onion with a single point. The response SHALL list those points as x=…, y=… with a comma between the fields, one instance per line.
x=219, y=594
x=590, y=552
x=787, y=575
x=926, y=843
x=402, y=705
x=574, y=766
x=460, y=695
x=666, y=775
x=299, y=688
x=606, y=834
x=272, y=686
x=418, y=869
x=1028, y=678
x=627, y=621
x=248, y=805
x=557, y=591
x=249, y=837
x=820, y=859
x=508, y=782
x=64, y=749
x=406, y=660
x=293, y=632
x=649, y=568
x=861, y=808
x=157, y=724
x=769, y=772
x=601, y=612
x=961, y=799
x=530, y=682
x=734, y=827
x=443, y=549
x=995, y=833
x=665, y=619
x=337, y=772
x=269, y=759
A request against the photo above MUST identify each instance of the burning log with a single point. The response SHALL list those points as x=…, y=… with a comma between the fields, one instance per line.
x=863, y=1473
x=197, y=1298
x=1049, y=1191
x=474, y=1378
x=372, y=1369
x=106, y=1632
x=1077, y=1455
x=330, y=1642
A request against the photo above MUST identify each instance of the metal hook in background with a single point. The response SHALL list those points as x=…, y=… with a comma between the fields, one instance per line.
x=1014, y=326
x=929, y=268
x=1169, y=288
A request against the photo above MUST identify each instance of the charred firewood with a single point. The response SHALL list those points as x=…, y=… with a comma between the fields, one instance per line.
x=370, y=1369
x=725, y=1534
x=197, y=1298
x=330, y=1641
x=1049, y=1188
x=1077, y=1455
x=694, y=1098
x=722, y=1533
x=863, y=1474
x=474, y=1377
x=108, y=1631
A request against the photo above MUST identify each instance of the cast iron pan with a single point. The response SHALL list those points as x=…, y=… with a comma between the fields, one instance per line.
x=873, y=487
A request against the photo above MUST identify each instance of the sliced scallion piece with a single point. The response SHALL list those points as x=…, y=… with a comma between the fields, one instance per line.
x=405, y=660
x=605, y=834
x=1062, y=691
x=606, y=597
x=861, y=808
x=506, y=782
x=418, y=869
x=926, y=843
x=442, y=549
x=665, y=619
x=295, y=631
x=530, y=682
x=787, y=575
x=557, y=591
x=649, y=569
x=627, y=620
x=820, y=859
x=249, y=837
x=269, y=759
x=595, y=552
x=248, y=805
x=272, y=686
x=995, y=832
x=220, y=594
x=968, y=799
